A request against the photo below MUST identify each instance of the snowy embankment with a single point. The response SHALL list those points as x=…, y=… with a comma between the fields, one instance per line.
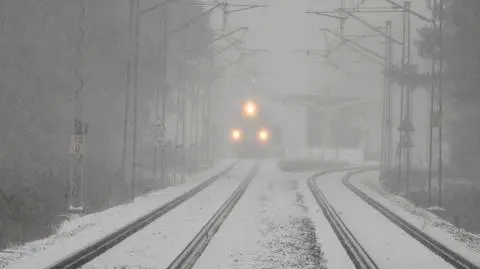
x=270, y=227
x=387, y=244
x=80, y=232
x=457, y=239
x=158, y=244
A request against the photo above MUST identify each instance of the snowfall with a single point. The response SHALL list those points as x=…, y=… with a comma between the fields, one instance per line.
x=276, y=224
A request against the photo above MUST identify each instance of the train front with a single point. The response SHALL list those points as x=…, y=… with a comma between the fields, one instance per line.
x=250, y=136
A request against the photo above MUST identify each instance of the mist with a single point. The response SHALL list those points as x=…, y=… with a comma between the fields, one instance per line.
x=155, y=117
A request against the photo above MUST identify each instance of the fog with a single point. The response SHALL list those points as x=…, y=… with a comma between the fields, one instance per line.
x=52, y=50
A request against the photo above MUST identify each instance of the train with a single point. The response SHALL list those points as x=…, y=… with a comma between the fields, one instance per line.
x=253, y=134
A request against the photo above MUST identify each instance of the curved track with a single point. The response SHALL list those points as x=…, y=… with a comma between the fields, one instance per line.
x=87, y=254
x=436, y=247
x=354, y=249
x=188, y=257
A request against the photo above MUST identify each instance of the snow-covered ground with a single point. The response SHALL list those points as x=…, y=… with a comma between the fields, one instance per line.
x=270, y=227
x=77, y=233
x=462, y=242
x=334, y=253
x=388, y=245
x=157, y=245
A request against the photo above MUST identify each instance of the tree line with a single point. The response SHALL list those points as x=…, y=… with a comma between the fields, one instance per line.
x=50, y=49
x=461, y=78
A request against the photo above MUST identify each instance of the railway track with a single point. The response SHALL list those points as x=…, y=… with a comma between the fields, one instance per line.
x=436, y=247
x=187, y=258
x=354, y=249
x=87, y=254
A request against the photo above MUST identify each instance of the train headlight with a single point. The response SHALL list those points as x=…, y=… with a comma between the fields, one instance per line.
x=263, y=135
x=236, y=135
x=250, y=109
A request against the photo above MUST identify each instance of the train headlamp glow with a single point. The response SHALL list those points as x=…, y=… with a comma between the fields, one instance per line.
x=250, y=109
x=236, y=134
x=263, y=135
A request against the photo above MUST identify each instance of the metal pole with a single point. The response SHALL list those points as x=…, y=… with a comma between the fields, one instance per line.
x=155, y=138
x=389, y=103
x=430, y=144
x=208, y=123
x=402, y=93
x=432, y=111
x=440, y=106
x=128, y=89
x=136, y=6
x=163, y=164
x=384, y=112
x=184, y=120
x=192, y=117
x=198, y=127
x=166, y=88
x=408, y=106
x=76, y=180
x=179, y=112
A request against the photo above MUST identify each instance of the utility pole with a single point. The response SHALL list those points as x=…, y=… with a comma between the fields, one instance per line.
x=132, y=86
x=389, y=119
x=387, y=105
x=406, y=126
x=436, y=102
x=160, y=128
x=440, y=106
x=201, y=124
x=433, y=122
x=180, y=124
x=402, y=137
x=127, y=91
x=135, y=5
x=184, y=125
x=196, y=122
x=208, y=131
x=157, y=132
x=166, y=91
x=77, y=148
x=409, y=108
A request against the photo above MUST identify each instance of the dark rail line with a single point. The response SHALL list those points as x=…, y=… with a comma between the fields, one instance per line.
x=87, y=254
x=436, y=247
x=354, y=249
x=188, y=257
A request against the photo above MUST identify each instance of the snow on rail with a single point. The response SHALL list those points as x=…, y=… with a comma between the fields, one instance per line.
x=270, y=227
x=387, y=244
x=188, y=257
x=355, y=250
x=458, y=240
x=157, y=245
x=80, y=232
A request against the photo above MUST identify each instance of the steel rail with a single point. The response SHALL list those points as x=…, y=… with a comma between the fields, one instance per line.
x=90, y=252
x=189, y=256
x=450, y=256
x=354, y=249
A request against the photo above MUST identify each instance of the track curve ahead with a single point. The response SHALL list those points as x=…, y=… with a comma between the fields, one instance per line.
x=436, y=247
x=359, y=256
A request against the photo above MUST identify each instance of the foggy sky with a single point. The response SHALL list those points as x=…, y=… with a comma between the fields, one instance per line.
x=284, y=27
